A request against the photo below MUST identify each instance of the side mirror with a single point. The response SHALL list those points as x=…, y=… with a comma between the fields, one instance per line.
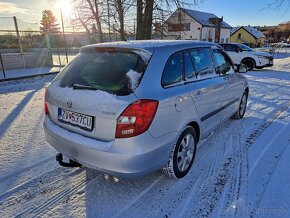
x=240, y=68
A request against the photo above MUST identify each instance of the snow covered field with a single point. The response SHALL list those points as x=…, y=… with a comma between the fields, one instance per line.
x=241, y=170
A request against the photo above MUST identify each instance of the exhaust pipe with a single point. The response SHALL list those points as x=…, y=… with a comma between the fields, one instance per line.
x=71, y=163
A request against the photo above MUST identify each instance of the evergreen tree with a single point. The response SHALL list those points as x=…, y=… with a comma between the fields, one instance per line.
x=48, y=23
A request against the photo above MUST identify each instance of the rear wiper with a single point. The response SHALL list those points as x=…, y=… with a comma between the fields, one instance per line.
x=79, y=86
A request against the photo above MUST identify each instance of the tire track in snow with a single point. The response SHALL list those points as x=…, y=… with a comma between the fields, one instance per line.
x=29, y=190
x=130, y=204
x=233, y=194
x=39, y=210
x=212, y=190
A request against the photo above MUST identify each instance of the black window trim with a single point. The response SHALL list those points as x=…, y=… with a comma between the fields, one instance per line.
x=184, y=81
x=195, y=73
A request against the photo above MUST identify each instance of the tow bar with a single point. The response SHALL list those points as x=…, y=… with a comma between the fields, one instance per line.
x=71, y=163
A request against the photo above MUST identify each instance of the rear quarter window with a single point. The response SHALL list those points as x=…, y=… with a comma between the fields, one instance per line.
x=173, y=70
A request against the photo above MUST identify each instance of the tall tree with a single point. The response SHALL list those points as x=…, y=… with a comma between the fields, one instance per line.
x=49, y=23
x=120, y=8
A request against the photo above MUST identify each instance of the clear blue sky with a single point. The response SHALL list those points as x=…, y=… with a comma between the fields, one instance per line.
x=247, y=12
x=235, y=12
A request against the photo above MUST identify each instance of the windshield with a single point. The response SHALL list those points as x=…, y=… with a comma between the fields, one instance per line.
x=114, y=72
x=245, y=48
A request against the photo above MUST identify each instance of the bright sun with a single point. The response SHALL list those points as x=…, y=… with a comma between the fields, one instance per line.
x=64, y=5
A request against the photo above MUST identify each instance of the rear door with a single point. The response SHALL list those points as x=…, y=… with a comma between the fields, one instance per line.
x=205, y=86
x=233, y=85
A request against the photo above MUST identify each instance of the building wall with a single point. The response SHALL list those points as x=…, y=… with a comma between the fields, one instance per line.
x=195, y=28
x=208, y=34
x=225, y=35
x=246, y=38
x=196, y=31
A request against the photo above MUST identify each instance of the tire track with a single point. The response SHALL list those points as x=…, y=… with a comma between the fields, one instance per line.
x=39, y=209
x=29, y=190
x=214, y=186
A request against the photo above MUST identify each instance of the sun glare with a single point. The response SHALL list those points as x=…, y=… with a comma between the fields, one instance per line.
x=65, y=6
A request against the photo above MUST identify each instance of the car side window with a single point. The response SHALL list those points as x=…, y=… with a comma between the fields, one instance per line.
x=202, y=62
x=222, y=62
x=188, y=67
x=172, y=72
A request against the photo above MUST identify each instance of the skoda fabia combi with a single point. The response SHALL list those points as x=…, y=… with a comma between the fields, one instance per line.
x=131, y=108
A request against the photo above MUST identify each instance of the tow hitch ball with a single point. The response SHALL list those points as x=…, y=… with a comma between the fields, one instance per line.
x=71, y=163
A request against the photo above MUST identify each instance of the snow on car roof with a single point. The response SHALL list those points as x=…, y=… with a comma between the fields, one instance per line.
x=148, y=44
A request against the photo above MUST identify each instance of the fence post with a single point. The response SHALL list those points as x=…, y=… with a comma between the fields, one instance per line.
x=2, y=65
x=19, y=41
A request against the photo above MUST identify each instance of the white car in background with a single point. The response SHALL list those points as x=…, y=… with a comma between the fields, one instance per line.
x=241, y=53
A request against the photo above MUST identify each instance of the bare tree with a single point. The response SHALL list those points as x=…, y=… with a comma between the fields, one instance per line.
x=89, y=13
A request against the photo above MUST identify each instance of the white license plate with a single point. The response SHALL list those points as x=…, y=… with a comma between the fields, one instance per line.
x=75, y=119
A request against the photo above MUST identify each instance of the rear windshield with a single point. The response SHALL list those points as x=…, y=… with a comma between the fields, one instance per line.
x=114, y=72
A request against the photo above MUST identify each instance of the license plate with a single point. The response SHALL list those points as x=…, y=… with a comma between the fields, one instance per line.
x=75, y=119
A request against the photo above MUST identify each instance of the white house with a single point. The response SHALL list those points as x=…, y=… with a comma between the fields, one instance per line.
x=196, y=25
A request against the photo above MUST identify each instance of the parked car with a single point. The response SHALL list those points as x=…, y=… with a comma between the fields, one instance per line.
x=240, y=53
x=132, y=108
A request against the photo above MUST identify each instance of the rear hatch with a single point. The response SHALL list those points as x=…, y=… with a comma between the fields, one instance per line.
x=91, y=92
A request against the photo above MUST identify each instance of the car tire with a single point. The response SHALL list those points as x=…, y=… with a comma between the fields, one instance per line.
x=242, y=107
x=249, y=63
x=182, y=154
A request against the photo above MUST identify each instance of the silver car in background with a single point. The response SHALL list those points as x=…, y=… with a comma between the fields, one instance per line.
x=131, y=108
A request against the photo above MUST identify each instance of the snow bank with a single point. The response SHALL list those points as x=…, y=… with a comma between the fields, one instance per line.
x=281, y=64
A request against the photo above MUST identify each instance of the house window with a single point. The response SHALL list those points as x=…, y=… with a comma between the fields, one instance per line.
x=222, y=40
x=179, y=27
x=227, y=40
x=239, y=35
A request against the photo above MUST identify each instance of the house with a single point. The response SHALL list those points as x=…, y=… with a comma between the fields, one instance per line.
x=196, y=25
x=247, y=35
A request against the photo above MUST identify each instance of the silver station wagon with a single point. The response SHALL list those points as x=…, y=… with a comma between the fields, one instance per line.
x=131, y=108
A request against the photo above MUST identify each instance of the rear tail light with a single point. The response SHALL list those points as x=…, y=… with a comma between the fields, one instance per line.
x=45, y=104
x=136, y=118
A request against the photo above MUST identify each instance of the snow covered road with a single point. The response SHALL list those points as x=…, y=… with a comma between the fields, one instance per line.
x=241, y=170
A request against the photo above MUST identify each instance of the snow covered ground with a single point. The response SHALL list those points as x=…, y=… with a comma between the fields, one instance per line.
x=241, y=170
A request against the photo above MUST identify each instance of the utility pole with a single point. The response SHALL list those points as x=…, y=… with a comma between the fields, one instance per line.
x=162, y=23
x=108, y=8
x=65, y=49
x=19, y=41
x=134, y=27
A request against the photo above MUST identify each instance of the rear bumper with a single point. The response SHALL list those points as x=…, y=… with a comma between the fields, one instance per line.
x=132, y=157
